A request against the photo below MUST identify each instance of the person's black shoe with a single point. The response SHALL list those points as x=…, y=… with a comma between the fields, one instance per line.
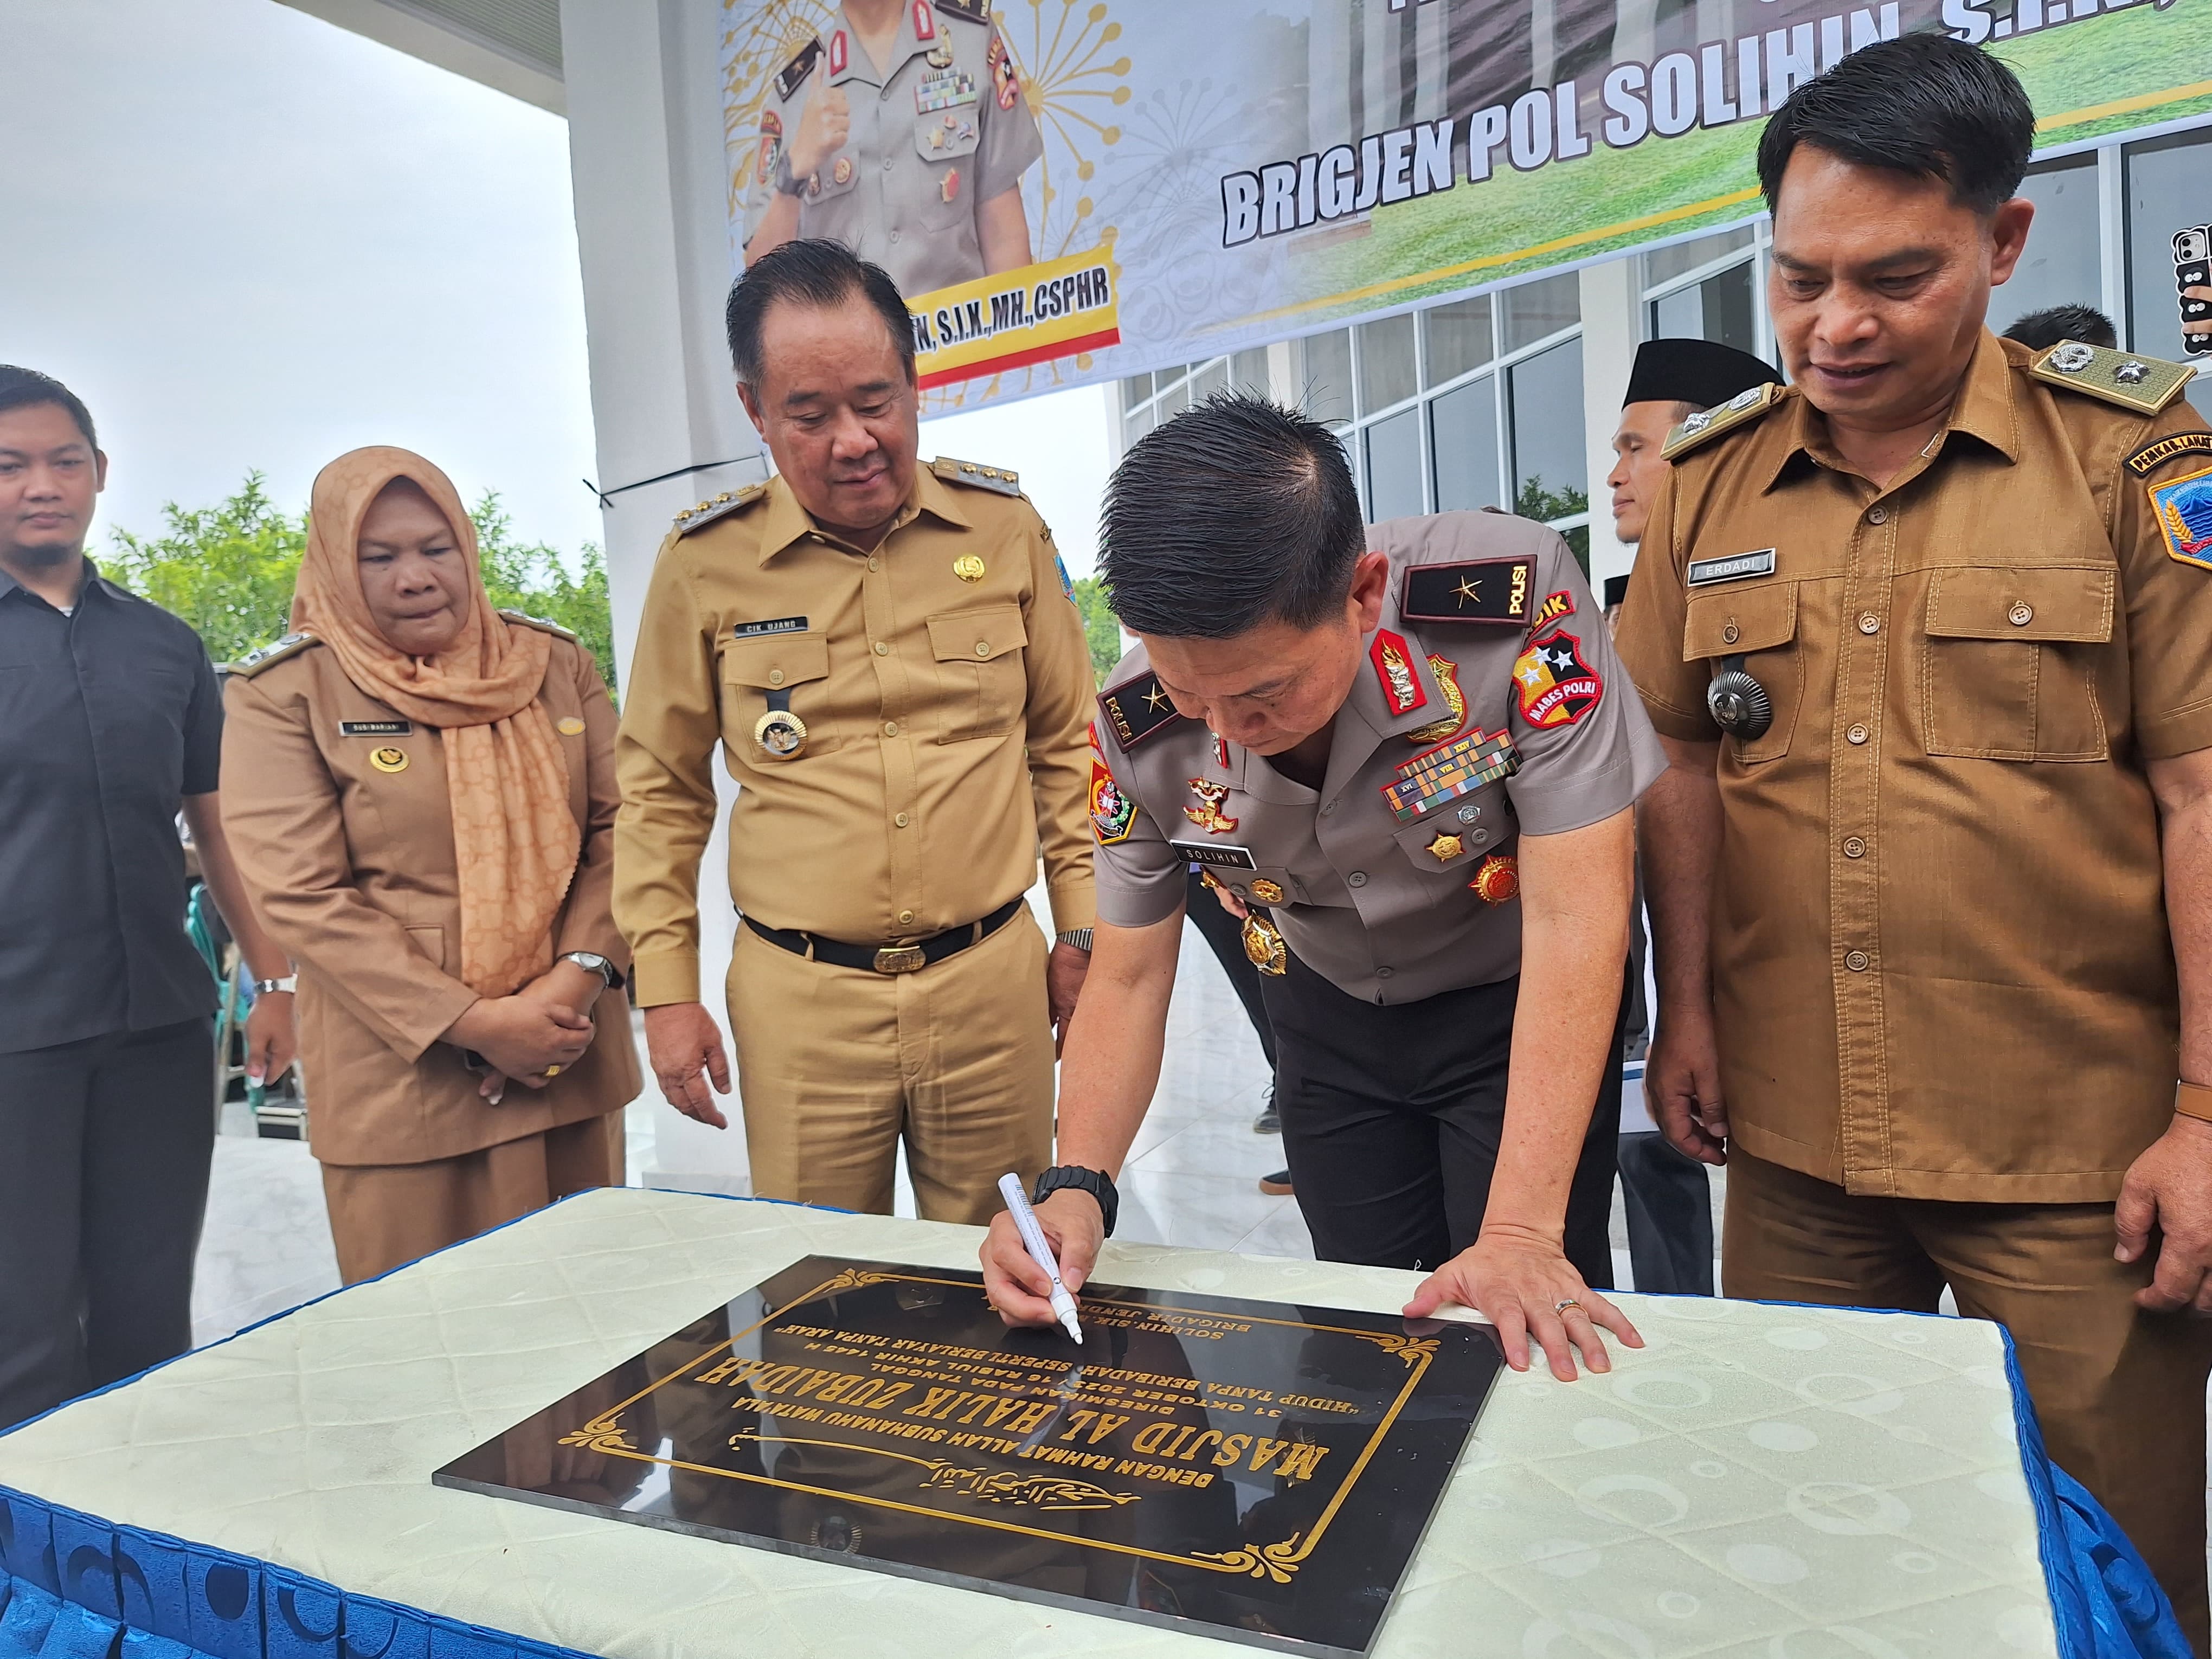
x=1277, y=1185
x=1270, y=1122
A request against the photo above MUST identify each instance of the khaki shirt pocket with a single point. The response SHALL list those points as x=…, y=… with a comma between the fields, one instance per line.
x=1480, y=823
x=796, y=663
x=1760, y=624
x=981, y=672
x=2005, y=671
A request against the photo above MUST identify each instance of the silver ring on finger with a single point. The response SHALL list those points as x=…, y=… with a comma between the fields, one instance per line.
x=1564, y=1303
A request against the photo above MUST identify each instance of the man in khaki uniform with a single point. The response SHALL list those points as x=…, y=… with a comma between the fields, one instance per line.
x=903, y=135
x=890, y=658
x=1925, y=637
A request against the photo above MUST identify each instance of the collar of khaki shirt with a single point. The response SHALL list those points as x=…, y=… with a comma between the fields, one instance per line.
x=1982, y=410
x=787, y=521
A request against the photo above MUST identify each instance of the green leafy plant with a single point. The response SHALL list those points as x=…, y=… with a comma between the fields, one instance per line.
x=1534, y=502
x=1100, y=631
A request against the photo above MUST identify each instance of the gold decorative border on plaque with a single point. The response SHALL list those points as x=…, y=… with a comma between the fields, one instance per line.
x=1277, y=1562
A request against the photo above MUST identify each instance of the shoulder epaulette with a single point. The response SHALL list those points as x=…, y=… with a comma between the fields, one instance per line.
x=254, y=661
x=717, y=507
x=1137, y=709
x=1745, y=407
x=2145, y=385
x=975, y=11
x=1001, y=478
x=793, y=74
x=542, y=625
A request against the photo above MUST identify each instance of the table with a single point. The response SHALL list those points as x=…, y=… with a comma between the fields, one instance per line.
x=1782, y=1482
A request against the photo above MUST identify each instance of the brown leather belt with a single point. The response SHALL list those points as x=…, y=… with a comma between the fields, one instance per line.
x=888, y=958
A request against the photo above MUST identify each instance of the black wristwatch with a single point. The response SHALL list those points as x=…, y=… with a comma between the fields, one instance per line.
x=1097, y=1182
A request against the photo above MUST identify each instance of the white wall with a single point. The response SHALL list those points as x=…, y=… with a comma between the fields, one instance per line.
x=1611, y=329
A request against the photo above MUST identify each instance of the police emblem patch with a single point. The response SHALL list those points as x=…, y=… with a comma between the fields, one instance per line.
x=1112, y=812
x=1552, y=684
x=2183, y=510
x=1393, y=670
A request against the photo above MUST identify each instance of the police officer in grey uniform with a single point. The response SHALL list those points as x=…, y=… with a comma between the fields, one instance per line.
x=1408, y=752
x=904, y=135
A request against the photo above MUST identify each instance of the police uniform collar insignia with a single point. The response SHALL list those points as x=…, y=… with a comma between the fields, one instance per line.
x=1483, y=591
x=1207, y=814
x=1553, y=685
x=840, y=54
x=793, y=74
x=1000, y=479
x=2152, y=456
x=2183, y=510
x=1745, y=407
x=717, y=507
x=2145, y=385
x=1138, y=709
x=1447, y=676
x=1402, y=692
x=925, y=22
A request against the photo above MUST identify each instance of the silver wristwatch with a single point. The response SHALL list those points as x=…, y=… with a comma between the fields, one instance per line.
x=262, y=988
x=592, y=961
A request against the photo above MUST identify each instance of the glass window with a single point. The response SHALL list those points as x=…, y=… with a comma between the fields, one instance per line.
x=1457, y=338
x=1248, y=370
x=1536, y=309
x=1136, y=426
x=1549, y=471
x=1324, y=376
x=1463, y=435
x=1386, y=363
x=1214, y=377
x=1173, y=401
x=2060, y=265
x=1393, y=466
x=1135, y=390
x=2166, y=193
x=1718, y=309
x=1664, y=265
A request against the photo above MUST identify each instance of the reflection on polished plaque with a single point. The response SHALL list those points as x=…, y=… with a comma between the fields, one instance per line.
x=1254, y=1471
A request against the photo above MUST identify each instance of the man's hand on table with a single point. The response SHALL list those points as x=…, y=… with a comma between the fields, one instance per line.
x=1516, y=1279
x=2170, y=1188
x=1683, y=1083
x=1016, y=1286
x=681, y=1041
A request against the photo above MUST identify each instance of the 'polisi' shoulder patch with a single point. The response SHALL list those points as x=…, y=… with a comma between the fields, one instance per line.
x=1137, y=709
x=1483, y=591
x=717, y=507
x=1745, y=407
x=793, y=74
x=2145, y=385
x=975, y=11
x=999, y=478
x=254, y=661
x=543, y=625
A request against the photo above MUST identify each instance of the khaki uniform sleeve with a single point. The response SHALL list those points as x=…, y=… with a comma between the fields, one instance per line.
x=1058, y=712
x=1010, y=143
x=587, y=918
x=1140, y=878
x=663, y=762
x=1653, y=620
x=2169, y=601
x=287, y=832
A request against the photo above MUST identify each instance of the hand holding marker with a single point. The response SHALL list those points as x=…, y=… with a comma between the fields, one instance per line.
x=1018, y=1204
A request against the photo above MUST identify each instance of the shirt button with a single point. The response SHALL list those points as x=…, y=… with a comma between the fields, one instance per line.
x=1328, y=809
x=1357, y=878
x=1854, y=847
x=872, y=564
x=882, y=650
x=1384, y=973
x=1729, y=634
x=2022, y=613
x=888, y=162
x=1877, y=515
x=895, y=235
x=891, y=728
x=982, y=648
x=1857, y=734
x=900, y=820
x=905, y=917
x=1856, y=961
x=775, y=677
x=1869, y=623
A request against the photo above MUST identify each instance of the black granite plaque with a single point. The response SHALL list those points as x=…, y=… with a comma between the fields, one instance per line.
x=1250, y=1470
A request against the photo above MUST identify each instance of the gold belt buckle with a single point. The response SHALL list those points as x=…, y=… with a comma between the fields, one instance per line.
x=899, y=959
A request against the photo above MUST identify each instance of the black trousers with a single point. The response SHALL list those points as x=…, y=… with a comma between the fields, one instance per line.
x=1391, y=1121
x=1670, y=1216
x=105, y=1146
x=1224, y=935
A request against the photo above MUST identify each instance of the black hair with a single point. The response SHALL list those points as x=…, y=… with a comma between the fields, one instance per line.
x=2040, y=330
x=818, y=273
x=1236, y=513
x=26, y=388
x=1923, y=104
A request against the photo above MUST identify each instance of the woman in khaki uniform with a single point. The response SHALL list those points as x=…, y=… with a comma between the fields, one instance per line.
x=425, y=812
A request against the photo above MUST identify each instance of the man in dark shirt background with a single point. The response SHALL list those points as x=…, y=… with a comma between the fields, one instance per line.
x=110, y=723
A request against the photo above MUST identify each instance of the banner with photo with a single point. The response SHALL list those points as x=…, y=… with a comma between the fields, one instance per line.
x=1069, y=190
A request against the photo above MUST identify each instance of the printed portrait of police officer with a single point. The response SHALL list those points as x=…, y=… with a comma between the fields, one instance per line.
x=902, y=131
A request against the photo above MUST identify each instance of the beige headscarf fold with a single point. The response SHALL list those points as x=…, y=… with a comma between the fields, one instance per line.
x=514, y=839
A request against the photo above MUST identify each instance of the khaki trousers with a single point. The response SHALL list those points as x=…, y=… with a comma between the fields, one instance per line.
x=383, y=1216
x=2119, y=1391
x=836, y=1065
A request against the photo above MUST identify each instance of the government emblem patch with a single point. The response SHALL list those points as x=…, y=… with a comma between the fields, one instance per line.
x=2184, y=509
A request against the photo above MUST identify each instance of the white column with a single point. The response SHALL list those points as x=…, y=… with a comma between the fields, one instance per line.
x=1611, y=331
x=644, y=142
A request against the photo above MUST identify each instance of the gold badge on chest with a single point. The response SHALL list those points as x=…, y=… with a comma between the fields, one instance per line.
x=388, y=759
x=570, y=726
x=969, y=568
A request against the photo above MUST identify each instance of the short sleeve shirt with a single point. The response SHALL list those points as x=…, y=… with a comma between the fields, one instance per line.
x=1489, y=706
x=109, y=716
x=944, y=128
x=1940, y=955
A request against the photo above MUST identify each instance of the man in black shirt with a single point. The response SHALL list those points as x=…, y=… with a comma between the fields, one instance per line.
x=110, y=724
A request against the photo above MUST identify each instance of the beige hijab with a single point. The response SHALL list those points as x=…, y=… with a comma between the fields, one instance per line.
x=515, y=841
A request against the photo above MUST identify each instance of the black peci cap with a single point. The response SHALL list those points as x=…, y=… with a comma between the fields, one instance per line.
x=1616, y=590
x=1701, y=373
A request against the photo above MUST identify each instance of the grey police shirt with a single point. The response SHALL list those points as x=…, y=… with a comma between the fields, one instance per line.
x=944, y=128
x=1377, y=878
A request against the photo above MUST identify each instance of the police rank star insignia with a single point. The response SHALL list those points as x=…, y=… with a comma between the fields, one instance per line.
x=1207, y=814
x=1552, y=684
x=388, y=759
x=1484, y=590
x=1137, y=709
x=1393, y=670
